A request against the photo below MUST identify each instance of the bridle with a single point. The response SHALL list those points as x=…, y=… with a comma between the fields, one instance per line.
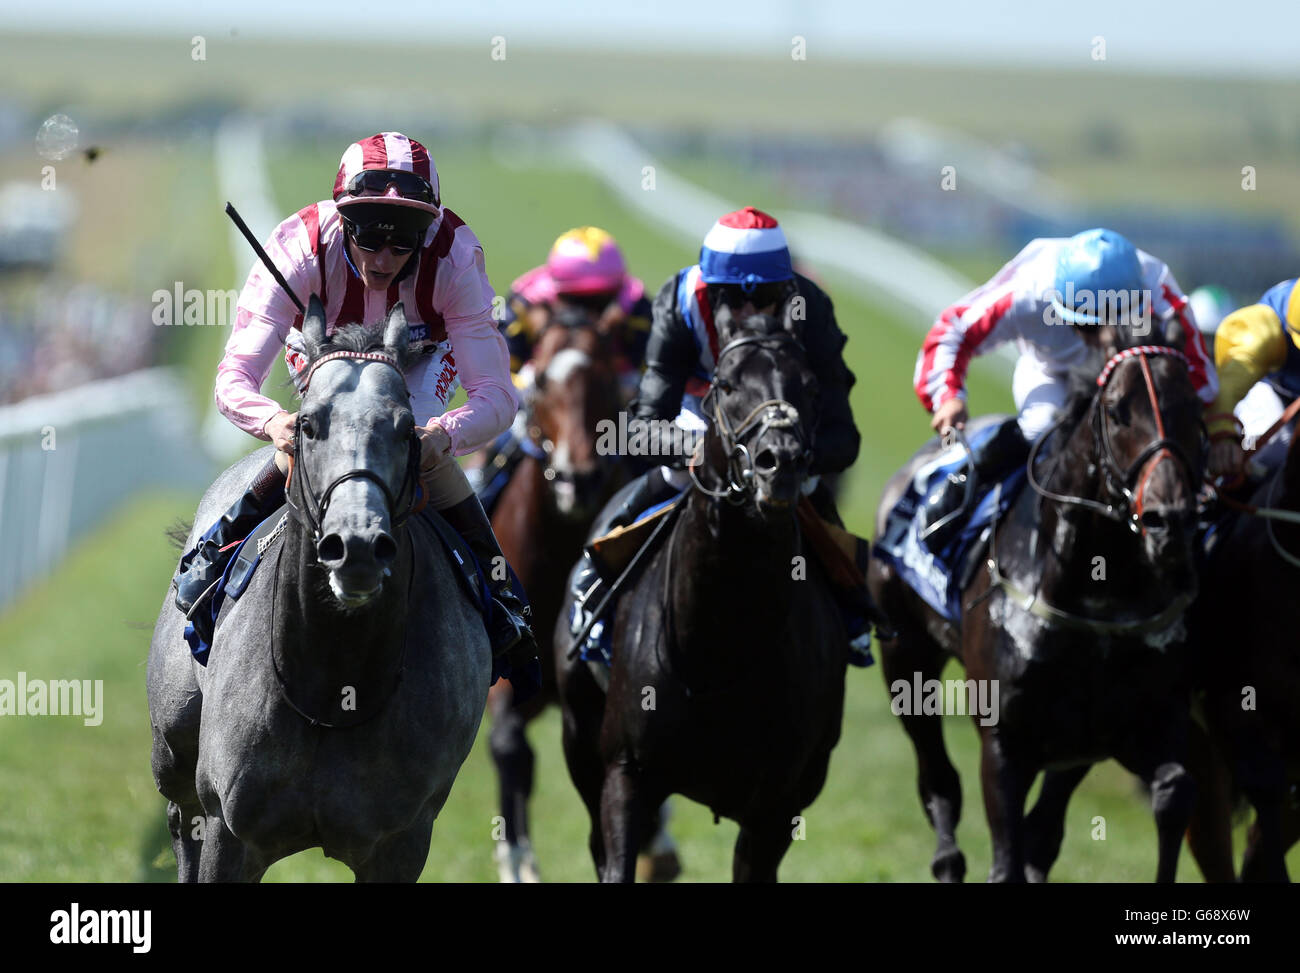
x=535, y=443
x=1118, y=480
x=1129, y=483
x=768, y=414
x=312, y=511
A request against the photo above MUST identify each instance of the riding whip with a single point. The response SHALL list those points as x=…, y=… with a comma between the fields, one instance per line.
x=257, y=247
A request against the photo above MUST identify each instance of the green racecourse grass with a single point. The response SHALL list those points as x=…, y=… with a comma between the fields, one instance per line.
x=78, y=803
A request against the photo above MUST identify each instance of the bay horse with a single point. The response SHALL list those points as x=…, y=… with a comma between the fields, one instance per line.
x=1077, y=619
x=541, y=521
x=727, y=684
x=345, y=687
x=1248, y=675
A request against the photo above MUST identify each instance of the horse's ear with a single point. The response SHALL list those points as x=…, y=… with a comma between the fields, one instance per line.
x=313, y=324
x=1174, y=332
x=396, y=333
x=723, y=320
x=794, y=314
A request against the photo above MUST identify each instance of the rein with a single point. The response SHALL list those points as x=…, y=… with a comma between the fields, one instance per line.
x=312, y=511
x=768, y=414
x=1267, y=513
x=279, y=676
x=1141, y=470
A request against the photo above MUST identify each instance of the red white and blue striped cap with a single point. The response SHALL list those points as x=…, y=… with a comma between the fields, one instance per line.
x=387, y=150
x=746, y=247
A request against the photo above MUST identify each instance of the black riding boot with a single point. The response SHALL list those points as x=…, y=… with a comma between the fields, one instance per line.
x=589, y=581
x=641, y=494
x=200, y=568
x=510, y=631
x=994, y=455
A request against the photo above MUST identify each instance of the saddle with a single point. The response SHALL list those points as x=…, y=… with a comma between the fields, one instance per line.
x=248, y=556
x=939, y=578
x=234, y=580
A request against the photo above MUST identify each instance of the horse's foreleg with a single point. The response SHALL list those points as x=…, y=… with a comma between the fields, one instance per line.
x=582, y=709
x=1006, y=782
x=400, y=857
x=659, y=861
x=1209, y=833
x=225, y=858
x=623, y=818
x=186, y=823
x=1173, y=797
x=1045, y=824
x=1263, y=779
x=936, y=778
x=760, y=846
x=514, y=762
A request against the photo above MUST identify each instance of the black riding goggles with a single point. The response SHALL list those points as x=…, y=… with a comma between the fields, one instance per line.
x=372, y=239
x=375, y=182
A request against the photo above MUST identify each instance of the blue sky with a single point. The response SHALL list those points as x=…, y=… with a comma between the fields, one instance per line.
x=1192, y=36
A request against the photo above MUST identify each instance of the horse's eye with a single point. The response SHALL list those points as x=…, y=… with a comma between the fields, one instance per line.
x=307, y=427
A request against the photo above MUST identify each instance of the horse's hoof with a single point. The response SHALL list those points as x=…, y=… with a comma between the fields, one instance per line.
x=661, y=866
x=949, y=866
x=517, y=863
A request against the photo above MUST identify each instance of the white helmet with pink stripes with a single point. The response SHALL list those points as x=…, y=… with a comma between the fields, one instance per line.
x=388, y=181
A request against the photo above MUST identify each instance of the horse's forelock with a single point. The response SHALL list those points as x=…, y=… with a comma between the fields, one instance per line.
x=361, y=338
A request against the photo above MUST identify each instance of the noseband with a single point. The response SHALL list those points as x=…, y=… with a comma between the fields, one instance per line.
x=312, y=512
x=1128, y=482
x=768, y=414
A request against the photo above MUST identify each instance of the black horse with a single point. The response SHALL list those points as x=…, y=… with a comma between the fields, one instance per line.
x=729, y=653
x=1248, y=670
x=1076, y=619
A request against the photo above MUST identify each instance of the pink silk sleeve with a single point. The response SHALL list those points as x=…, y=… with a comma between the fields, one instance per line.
x=263, y=319
x=482, y=360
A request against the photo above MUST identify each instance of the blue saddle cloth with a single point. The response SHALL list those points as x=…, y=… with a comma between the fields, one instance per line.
x=934, y=576
x=504, y=454
x=599, y=645
x=240, y=568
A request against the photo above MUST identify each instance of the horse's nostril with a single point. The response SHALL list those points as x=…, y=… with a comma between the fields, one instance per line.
x=385, y=549
x=1154, y=520
x=766, y=462
x=330, y=549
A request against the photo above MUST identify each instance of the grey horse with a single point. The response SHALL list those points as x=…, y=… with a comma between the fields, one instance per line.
x=345, y=687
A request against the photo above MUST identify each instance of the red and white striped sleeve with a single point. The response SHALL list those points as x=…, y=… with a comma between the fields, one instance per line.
x=969, y=327
x=1167, y=297
x=263, y=317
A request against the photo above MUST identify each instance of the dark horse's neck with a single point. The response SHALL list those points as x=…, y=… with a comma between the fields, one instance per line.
x=336, y=665
x=729, y=584
x=1093, y=564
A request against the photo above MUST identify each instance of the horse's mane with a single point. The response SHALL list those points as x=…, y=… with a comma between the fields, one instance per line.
x=1082, y=379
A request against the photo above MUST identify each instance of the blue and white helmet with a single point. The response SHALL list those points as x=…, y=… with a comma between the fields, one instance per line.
x=1093, y=264
x=746, y=247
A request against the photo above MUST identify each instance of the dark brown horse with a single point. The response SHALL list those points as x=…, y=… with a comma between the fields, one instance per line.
x=1076, y=620
x=541, y=521
x=1248, y=672
x=727, y=683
